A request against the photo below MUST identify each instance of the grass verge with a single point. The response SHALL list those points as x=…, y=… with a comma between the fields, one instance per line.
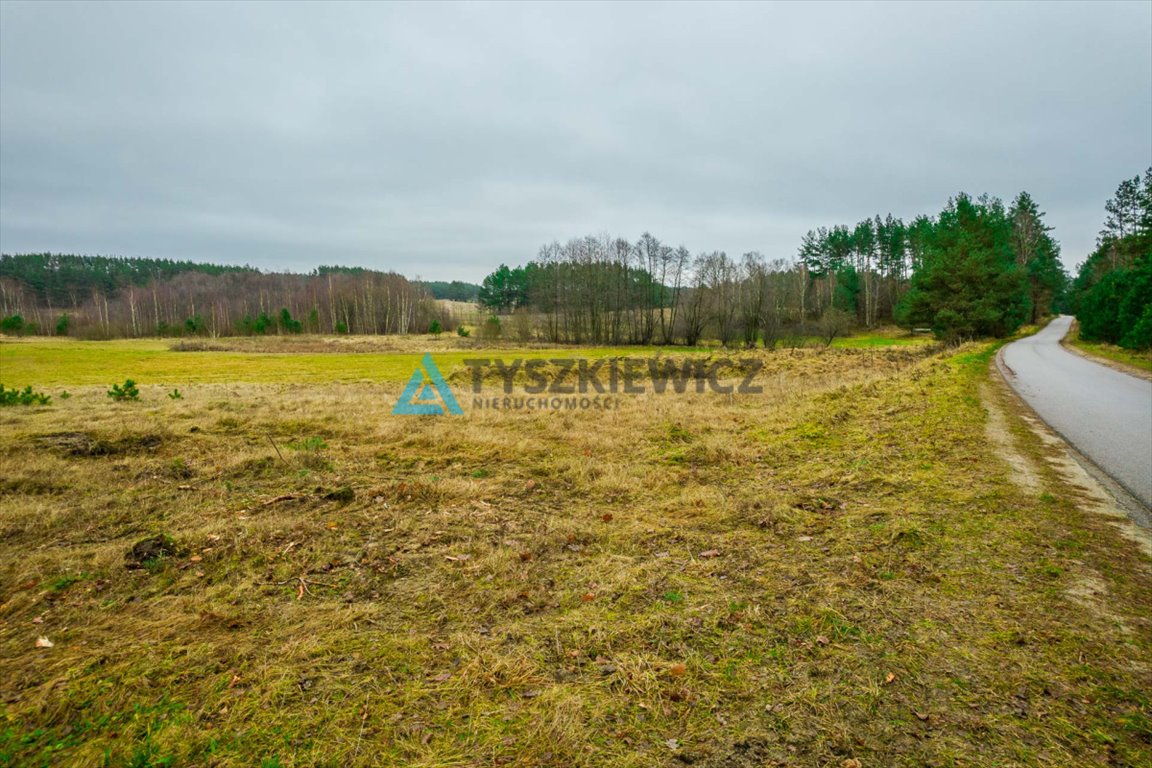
x=1130, y=359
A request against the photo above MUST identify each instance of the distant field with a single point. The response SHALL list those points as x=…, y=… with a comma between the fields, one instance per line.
x=844, y=569
x=49, y=362
x=466, y=312
x=75, y=363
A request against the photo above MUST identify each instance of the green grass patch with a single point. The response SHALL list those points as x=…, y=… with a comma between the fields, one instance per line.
x=69, y=362
x=1141, y=360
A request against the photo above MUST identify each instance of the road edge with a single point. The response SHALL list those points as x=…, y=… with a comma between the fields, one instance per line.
x=1115, y=365
x=1137, y=511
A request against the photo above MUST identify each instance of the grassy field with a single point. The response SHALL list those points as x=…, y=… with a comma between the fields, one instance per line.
x=843, y=570
x=49, y=362
x=52, y=363
x=1141, y=361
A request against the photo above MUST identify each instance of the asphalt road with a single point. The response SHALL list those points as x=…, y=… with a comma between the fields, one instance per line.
x=1103, y=413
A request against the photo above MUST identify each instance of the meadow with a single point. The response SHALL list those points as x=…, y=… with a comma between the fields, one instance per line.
x=871, y=562
x=50, y=362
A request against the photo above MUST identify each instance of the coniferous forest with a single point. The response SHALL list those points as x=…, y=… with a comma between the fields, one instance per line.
x=1112, y=293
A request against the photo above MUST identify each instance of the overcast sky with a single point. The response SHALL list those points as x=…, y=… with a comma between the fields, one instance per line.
x=439, y=140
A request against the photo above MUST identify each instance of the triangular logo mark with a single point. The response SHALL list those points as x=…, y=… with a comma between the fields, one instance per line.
x=427, y=394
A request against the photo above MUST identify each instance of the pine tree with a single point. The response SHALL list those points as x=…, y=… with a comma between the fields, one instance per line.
x=1112, y=294
x=1124, y=211
x=1037, y=254
x=969, y=284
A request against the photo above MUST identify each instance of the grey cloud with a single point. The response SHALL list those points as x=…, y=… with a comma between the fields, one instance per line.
x=441, y=139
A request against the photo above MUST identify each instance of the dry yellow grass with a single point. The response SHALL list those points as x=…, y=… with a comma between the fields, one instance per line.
x=838, y=569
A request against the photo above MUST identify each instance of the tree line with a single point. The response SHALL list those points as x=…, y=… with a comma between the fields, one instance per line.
x=101, y=297
x=1112, y=292
x=57, y=279
x=978, y=268
x=456, y=290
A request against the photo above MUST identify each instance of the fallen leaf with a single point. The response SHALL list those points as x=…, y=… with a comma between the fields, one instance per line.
x=821, y=640
x=922, y=715
x=850, y=762
x=458, y=558
x=38, y=620
x=710, y=553
x=606, y=517
x=890, y=678
x=442, y=677
x=43, y=642
x=195, y=559
x=672, y=744
x=588, y=597
x=677, y=670
x=525, y=556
